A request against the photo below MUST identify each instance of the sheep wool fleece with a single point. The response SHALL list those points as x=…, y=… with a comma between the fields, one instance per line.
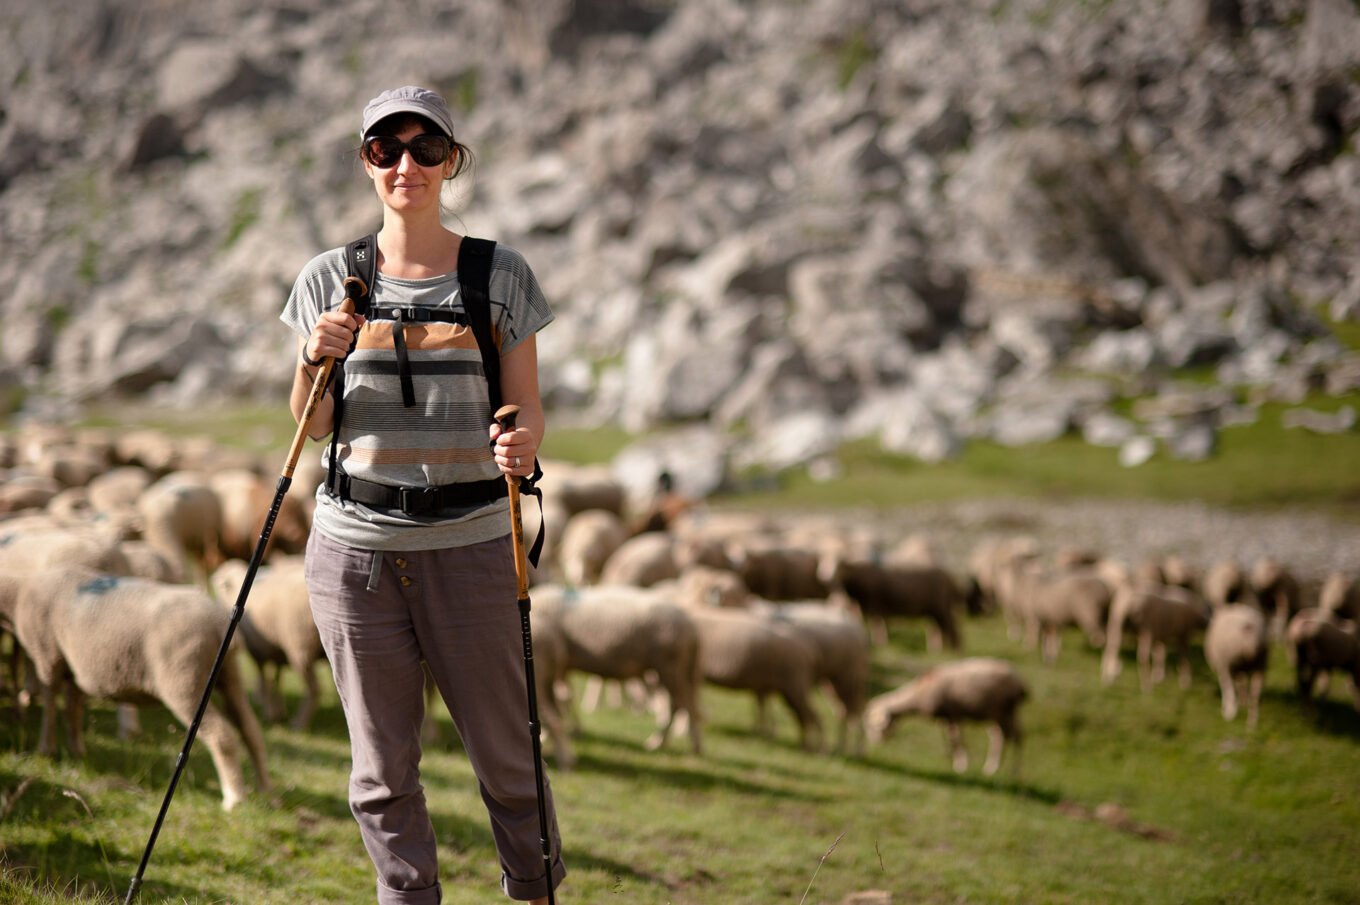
x=454, y=609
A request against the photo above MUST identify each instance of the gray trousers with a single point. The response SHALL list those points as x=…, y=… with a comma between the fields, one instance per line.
x=380, y=614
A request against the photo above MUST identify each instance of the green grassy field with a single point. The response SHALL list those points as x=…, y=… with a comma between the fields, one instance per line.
x=1211, y=813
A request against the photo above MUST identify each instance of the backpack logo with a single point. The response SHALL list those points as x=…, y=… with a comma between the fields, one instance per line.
x=361, y=254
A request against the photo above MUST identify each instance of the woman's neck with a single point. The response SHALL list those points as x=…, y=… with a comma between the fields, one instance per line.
x=416, y=250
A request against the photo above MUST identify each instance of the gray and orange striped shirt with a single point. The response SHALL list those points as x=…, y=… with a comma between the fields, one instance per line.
x=442, y=439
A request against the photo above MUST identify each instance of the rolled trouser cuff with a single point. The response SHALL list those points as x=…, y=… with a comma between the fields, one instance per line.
x=528, y=890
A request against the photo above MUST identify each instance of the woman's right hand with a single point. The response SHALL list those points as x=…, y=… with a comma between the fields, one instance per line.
x=332, y=335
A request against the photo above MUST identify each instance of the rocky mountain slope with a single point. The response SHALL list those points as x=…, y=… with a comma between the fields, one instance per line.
x=808, y=220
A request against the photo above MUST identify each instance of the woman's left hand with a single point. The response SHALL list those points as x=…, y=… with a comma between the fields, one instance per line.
x=514, y=450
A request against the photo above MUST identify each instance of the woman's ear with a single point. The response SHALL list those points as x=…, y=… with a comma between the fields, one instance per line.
x=450, y=165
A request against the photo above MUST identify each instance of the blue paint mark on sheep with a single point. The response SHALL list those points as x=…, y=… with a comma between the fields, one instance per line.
x=99, y=585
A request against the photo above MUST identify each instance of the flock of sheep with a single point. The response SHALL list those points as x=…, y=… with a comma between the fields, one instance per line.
x=121, y=556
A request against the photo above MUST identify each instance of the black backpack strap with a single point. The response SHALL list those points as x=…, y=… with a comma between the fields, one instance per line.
x=474, y=279
x=361, y=260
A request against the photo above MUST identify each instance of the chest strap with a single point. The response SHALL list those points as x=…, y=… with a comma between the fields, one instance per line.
x=416, y=500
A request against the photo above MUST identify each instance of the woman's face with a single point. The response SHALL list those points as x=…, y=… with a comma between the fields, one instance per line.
x=406, y=186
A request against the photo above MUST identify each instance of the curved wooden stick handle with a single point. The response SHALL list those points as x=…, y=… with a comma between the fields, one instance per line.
x=319, y=382
x=505, y=417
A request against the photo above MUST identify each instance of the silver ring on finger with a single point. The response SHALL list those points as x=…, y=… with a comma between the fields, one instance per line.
x=517, y=461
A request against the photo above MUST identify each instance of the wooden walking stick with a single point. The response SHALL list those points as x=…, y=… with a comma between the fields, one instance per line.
x=354, y=288
x=505, y=417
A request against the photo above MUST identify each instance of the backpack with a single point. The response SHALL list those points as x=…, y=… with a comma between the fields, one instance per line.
x=474, y=279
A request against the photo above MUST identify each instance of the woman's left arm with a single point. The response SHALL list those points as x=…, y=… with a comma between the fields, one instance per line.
x=519, y=385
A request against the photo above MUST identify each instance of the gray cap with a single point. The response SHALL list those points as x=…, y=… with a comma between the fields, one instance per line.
x=408, y=99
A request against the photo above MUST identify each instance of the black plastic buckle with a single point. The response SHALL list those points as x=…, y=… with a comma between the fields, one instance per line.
x=419, y=500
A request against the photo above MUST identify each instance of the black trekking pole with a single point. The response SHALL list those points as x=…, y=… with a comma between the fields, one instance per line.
x=354, y=288
x=505, y=417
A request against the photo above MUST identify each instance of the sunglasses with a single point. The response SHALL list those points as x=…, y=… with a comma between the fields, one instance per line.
x=385, y=151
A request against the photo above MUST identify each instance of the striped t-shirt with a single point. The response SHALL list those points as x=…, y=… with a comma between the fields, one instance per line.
x=443, y=438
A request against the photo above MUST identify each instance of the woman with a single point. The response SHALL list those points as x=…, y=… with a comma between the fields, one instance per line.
x=396, y=585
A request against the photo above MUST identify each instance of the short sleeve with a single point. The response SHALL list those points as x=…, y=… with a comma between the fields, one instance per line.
x=319, y=287
x=518, y=304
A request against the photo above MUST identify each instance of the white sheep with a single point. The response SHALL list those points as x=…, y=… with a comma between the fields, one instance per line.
x=625, y=633
x=181, y=517
x=1163, y=617
x=842, y=643
x=1079, y=598
x=132, y=640
x=742, y=650
x=980, y=689
x=277, y=628
x=1237, y=650
x=1322, y=643
x=588, y=540
x=1340, y=595
x=707, y=586
x=642, y=561
x=1225, y=582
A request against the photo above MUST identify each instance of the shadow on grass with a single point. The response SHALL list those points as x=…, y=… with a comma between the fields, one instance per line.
x=659, y=767
x=1002, y=782
x=1330, y=714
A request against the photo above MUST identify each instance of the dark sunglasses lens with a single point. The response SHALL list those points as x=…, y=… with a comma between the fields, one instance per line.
x=429, y=150
x=384, y=151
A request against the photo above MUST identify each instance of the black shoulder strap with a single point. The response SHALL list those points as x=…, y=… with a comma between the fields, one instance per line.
x=361, y=258
x=474, y=279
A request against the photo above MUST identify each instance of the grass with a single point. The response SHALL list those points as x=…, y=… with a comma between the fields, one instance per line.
x=1215, y=813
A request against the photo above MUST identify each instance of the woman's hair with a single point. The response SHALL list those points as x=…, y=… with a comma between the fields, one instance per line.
x=399, y=122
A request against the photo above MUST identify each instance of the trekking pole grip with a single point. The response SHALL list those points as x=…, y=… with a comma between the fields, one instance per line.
x=353, y=286
x=505, y=417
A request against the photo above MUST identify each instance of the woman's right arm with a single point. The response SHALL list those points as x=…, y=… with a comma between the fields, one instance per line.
x=330, y=338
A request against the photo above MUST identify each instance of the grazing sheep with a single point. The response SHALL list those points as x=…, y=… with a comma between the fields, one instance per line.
x=245, y=499
x=705, y=586
x=1075, y=598
x=1237, y=650
x=1322, y=643
x=642, y=561
x=1003, y=576
x=588, y=540
x=277, y=628
x=1226, y=583
x=883, y=590
x=137, y=641
x=1279, y=592
x=777, y=570
x=24, y=548
x=181, y=518
x=581, y=488
x=1340, y=595
x=1163, y=617
x=1177, y=572
x=975, y=688
x=21, y=492
x=842, y=645
x=624, y=633
x=742, y=650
